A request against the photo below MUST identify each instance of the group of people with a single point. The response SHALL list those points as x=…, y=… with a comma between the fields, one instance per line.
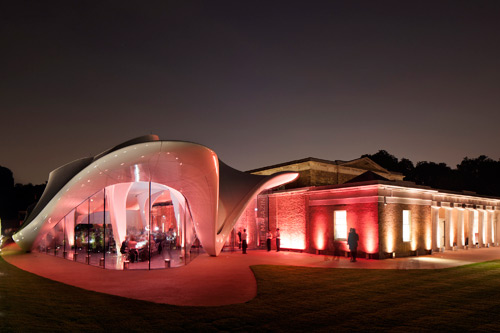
x=352, y=241
x=269, y=237
x=129, y=248
x=244, y=238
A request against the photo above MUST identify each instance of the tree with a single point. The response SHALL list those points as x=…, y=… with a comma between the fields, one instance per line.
x=384, y=159
x=7, y=209
x=391, y=163
x=437, y=175
x=481, y=175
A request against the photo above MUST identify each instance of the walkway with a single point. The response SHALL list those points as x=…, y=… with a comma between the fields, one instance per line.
x=212, y=281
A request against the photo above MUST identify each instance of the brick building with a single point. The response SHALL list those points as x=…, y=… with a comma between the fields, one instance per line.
x=393, y=217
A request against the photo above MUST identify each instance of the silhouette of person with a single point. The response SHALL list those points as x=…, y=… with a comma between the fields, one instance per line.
x=352, y=241
x=278, y=239
x=244, y=244
x=269, y=237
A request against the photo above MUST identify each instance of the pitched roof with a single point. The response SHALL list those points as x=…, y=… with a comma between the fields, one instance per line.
x=366, y=176
x=360, y=163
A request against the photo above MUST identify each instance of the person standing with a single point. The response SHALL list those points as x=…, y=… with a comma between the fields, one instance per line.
x=278, y=238
x=352, y=241
x=133, y=253
x=244, y=244
x=269, y=237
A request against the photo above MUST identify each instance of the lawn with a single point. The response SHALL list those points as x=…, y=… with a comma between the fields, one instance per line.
x=289, y=299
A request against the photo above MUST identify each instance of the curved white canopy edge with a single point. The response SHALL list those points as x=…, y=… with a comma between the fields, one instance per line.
x=191, y=169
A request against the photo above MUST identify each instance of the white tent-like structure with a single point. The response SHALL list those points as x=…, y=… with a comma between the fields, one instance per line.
x=192, y=175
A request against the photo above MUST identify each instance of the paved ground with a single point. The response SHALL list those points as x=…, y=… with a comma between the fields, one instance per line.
x=211, y=281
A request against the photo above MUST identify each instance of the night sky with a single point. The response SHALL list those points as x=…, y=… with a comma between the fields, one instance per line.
x=259, y=82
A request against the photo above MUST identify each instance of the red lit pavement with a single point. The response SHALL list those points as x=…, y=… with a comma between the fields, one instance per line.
x=211, y=281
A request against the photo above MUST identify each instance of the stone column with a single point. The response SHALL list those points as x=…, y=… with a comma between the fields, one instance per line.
x=480, y=227
x=470, y=213
x=449, y=230
x=460, y=228
x=489, y=220
x=435, y=226
x=496, y=220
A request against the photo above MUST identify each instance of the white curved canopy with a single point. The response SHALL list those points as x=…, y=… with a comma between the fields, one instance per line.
x=216, y=194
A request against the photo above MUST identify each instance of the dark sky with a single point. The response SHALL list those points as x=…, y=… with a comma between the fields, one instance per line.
x=259, y=82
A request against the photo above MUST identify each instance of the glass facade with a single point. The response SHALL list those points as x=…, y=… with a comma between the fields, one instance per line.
x=137, y=225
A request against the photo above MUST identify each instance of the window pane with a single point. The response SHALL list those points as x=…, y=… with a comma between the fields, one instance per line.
x=81, y=221
x=340, y=218
x=96, y=229
x=406, y=226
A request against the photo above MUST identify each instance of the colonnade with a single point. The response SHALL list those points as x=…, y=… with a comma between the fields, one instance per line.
x=462, y=227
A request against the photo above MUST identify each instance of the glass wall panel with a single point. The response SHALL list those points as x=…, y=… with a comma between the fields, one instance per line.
x=192, y=242
x=42, y=247
x=50, y=242
x=81, y=232
x=115, y=229
x=137, y=225
x=168, y=222
x=111, y=244
x=96, y=229
x=59, y=238
x=69, y=235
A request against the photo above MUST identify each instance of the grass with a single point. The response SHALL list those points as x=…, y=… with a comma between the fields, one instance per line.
x=288, y=299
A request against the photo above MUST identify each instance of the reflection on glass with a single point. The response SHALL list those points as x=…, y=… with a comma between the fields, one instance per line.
x=69, y=235
x=136, y=225
x=96, y=229
x=82, y=232
x=59, y=239
x=50, y=242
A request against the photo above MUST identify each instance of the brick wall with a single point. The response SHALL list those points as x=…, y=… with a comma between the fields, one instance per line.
x=391, y=229
x=363, y=217
x=289, y=213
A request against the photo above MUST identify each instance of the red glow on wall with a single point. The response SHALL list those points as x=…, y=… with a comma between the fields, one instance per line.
x=371, y=239
x=321, y=218
x=296, y=241
x=320, y=241
x=290, y=217
x=364, y=217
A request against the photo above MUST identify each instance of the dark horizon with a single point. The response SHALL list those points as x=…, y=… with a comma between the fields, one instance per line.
x=260, y=83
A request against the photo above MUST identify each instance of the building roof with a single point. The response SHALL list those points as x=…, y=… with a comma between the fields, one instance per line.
x=361, y=163
x=367, y=176
x=307, y=159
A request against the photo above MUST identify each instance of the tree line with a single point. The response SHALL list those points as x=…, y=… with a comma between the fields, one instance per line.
x=480, y=175
x=16, y=198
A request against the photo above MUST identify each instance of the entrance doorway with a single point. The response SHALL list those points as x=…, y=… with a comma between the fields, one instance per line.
x=442, y=233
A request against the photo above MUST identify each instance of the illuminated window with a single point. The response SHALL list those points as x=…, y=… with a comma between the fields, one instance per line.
x=340, y=220
x=406, y=226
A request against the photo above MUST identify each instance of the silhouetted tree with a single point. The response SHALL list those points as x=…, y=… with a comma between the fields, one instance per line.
x=27, y=195
x=481, y=175
x=391, y=163
x=405, y=166
x=7, y=205
x=437, y=175
x=384, y=159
